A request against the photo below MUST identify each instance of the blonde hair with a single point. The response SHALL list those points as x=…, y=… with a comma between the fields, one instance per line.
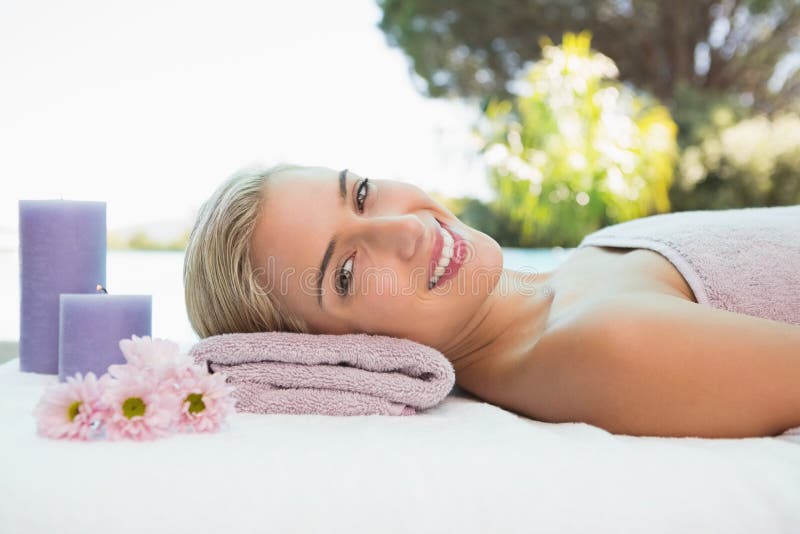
x=221, y=289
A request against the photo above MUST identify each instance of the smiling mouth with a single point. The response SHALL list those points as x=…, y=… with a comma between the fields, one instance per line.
x=447, y=258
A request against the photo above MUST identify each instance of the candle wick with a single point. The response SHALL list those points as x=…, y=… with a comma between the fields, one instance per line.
x=101, y=288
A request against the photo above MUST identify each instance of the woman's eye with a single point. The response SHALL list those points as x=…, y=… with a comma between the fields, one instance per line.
x=361, y=194
x=344, y=277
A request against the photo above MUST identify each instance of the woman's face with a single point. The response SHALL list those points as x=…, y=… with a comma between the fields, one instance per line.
x=350, y=256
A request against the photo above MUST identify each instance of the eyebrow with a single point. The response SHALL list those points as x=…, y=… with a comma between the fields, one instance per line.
x=326, y=258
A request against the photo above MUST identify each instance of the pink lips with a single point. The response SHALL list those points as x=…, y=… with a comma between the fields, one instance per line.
x=459, y=254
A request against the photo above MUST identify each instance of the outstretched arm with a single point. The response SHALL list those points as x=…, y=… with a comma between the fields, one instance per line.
x=659, y=366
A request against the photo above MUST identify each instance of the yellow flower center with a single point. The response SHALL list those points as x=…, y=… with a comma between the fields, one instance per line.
x=196, y=403
x=133, y=406
x=72, y=411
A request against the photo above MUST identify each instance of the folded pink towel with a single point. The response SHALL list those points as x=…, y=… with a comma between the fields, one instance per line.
x=349, y=374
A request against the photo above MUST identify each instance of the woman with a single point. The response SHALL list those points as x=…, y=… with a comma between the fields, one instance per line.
x=613, y=337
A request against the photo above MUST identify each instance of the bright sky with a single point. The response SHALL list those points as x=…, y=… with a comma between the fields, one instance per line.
x=148, y=105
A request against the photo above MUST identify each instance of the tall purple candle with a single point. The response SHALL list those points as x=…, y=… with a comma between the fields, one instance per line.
x=91, y=326
x=62, y=249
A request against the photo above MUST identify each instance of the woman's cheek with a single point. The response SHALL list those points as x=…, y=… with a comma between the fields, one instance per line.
x=379, y=300
x=386, y=314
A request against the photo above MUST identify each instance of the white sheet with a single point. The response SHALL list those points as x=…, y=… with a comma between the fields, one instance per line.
x=463, y=466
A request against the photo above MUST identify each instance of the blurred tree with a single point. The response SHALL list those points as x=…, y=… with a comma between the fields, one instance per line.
x=140, y=240
x=115, y=241
x=576, y=149
x=180, y=242
x=752, y=162
x=474, y=48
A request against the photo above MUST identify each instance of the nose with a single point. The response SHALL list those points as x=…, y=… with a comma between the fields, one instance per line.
x=400, y=234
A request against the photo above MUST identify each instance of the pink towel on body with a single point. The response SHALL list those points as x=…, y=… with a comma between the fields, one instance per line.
x=349, y=374
x=744, y=260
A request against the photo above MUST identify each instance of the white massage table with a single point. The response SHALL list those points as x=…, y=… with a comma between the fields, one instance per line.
x=463, y=466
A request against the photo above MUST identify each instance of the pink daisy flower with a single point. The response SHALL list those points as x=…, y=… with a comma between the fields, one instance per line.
x=140, y=408
x=206, y=401
x=159, y=358
x=73, y=409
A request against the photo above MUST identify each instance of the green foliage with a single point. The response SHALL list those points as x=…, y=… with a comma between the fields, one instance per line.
x=702, y=113
x=576, y=150
x=711, y=62
x=732, y=158
x=142, y=241
x=735, y=164
x=473, y=48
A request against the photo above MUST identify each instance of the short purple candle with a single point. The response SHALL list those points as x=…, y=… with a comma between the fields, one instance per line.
x=91, y=326
x=62, y=249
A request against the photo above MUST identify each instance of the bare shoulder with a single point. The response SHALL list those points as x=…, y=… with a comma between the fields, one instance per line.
x=651, y=364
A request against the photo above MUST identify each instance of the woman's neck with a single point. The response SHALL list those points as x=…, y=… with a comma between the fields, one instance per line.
x=511, y=320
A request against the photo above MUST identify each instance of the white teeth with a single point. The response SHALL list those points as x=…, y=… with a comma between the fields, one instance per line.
x=444, y=259
x=448, y=239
